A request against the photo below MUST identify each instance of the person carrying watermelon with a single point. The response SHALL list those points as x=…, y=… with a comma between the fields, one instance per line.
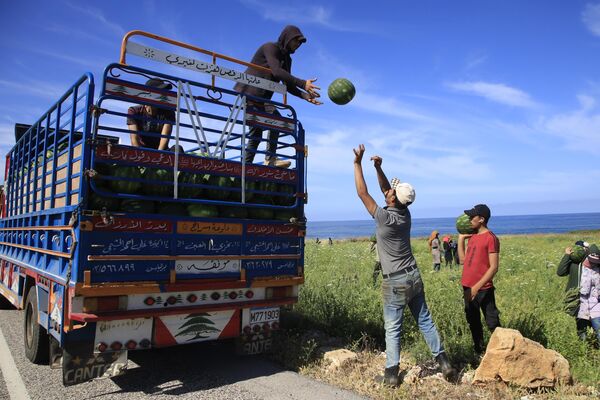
x=480, y=263
x=145, y=119
x=277, y=57
x=571, y=265
x=402, y=285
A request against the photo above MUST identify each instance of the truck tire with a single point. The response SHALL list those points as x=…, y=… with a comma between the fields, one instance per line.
x=35, y=336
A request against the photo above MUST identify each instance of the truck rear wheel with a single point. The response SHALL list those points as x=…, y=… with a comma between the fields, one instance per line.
x=34, y=335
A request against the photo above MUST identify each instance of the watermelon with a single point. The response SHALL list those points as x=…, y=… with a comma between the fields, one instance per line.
x=286, y=200
x=237, y=183
x=218, y=181
x=137, y=206
x=578, y=254
x=103, y=170
x=260, y=213
x=170, y=208
x=233, y=212
x=158, y=175
x=202, y=210
x=189, y=192
x=463, y=225
x=285, y=215
x=97, y=202
x=341, y=91
x=265, y=186
x=123, y=186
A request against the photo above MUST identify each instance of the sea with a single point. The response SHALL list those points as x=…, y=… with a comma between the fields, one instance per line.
x=505, y=224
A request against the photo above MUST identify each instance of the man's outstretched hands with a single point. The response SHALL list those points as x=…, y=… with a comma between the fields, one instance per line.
x=377, y=161
x=358, y=153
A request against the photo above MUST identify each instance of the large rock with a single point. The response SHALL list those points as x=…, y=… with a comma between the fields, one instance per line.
x=338, y=358
x=516, y=360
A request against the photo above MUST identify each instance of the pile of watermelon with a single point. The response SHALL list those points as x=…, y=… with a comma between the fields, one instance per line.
x=158, y=183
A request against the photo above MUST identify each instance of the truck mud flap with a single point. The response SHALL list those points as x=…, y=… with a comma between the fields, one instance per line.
x=81, y=365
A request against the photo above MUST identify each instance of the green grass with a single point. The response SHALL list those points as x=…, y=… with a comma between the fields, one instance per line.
x=339, y=298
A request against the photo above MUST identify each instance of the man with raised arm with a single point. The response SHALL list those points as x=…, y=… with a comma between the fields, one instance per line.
x=277, y=57
x=402, y=285
x=480, y=264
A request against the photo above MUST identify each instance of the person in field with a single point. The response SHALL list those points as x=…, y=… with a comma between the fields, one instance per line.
x=480, y=262
x=402, y=285
x=277, y=57
x=583, y=289
x=435, y=249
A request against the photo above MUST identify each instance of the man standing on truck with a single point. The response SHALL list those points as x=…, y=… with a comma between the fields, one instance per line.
x=144, y=119
x=402, y=285
x=276, y=57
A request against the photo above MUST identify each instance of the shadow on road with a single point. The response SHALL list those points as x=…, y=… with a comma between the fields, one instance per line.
x=183, y=369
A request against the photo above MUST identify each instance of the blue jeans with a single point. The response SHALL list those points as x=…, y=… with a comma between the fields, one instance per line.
x=596, y=326
x=406, y=289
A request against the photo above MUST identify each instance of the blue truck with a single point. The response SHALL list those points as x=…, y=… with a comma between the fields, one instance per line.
x=111, y=248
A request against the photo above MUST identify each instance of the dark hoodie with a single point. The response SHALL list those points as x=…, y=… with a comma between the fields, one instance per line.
x=276, y=56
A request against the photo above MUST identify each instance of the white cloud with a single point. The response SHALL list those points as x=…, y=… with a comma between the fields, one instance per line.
x=34, y=88
x=591, y=18
x=387, y=105
x=497, y=92
x=295, y=14
x=99, y=16
x=580, y=129
x=475, y=60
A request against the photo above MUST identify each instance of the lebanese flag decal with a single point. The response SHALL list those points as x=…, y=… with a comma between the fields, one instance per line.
x=162, y=336
x=232, y=329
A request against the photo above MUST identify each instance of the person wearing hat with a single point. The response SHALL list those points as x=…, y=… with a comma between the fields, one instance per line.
x=146, y=122
x=480, y=262
x=589, y=290
x=277, y=57
x=402, y=285
x=435, y=249
x=575, y=303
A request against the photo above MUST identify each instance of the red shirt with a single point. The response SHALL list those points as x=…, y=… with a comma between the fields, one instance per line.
x=477, y=260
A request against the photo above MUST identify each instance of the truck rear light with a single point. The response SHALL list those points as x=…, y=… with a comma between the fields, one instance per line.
x=144, y=343
x=256, y=328
x=172, y=300
x=266, y=327
x=102, y=347
x=279, y=292
x=131, y=345
x=233, y=295
x=104, y=304
x=247, y=330
x=275, y=325
x=249, y=294
x=116, y=346
x=215, y=296
x=192, y=298
x=149, y=301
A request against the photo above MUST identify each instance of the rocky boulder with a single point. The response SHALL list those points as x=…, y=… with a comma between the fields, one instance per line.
x=338, y=358
x=516, y=360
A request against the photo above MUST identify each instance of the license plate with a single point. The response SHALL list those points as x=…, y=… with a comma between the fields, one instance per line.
x=267, y=314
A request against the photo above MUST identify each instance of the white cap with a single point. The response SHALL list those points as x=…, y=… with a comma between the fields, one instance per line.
x=405, y=193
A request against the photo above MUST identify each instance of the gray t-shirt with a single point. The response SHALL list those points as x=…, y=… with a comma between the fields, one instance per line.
x=393, y=239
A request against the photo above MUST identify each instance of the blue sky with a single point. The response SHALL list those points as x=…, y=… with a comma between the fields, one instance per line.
x=469, y=101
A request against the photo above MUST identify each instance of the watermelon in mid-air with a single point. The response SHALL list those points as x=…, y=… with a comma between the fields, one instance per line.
x=341, y=91
x=463, y=225
x=578, y=253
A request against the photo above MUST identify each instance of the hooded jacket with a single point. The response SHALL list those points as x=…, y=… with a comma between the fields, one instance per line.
x=276, y=56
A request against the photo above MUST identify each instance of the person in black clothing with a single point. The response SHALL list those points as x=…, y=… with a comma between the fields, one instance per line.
x=447, y=244
x=144, y=119
x=277, y=57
